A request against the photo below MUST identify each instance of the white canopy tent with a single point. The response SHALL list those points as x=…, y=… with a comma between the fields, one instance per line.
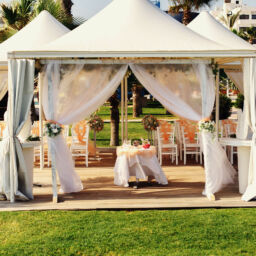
x=40, y=31
x=106, y=45
x=239, y=72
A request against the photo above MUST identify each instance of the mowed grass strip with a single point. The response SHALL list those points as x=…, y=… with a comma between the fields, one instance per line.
x=182, y=232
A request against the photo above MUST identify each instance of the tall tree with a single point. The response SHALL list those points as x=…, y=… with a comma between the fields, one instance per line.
x=115, y=119
x=229, y=19
x=67, y=6
x=187, y=6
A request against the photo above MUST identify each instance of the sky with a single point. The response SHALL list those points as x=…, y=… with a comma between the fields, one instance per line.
x=87, y=8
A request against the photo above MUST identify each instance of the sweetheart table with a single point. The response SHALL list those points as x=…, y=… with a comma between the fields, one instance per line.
x=243, y=152
x=138, y=162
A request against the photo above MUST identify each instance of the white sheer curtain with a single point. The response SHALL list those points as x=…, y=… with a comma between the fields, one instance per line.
x=250, y=105
x=179, y=87
x=237, y=78
x=188, y=91
x=3, y=83
x=78, y=91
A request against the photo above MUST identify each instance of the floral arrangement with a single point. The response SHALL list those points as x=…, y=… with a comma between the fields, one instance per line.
x=52, y=129
x=150, y=123
x=208, y=126
x=96, y=123
x=33, y=138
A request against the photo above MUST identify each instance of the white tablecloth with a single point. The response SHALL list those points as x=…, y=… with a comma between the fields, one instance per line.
x=139, y=166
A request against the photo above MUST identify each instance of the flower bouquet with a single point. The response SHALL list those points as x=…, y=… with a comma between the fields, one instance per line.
x=97, y=125
x=208, y=126
x=150, y=124
x=52, y=129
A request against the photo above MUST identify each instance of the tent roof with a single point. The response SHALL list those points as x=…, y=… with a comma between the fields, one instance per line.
x=134, y=28
x=40, y=31
x=206, y=25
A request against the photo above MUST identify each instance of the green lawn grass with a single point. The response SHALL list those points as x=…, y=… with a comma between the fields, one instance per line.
x=158, y=112
x=135, y=131
x=182, y=232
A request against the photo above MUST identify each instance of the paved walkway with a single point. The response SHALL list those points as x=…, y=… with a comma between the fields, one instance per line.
x=184, y=191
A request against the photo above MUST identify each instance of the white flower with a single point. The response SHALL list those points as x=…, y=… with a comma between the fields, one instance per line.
x=55, y=130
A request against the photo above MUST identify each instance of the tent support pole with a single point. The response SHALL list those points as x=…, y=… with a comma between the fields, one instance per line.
x=126, y=107
x=122, y=110
x=41, y=121
x=217, y=112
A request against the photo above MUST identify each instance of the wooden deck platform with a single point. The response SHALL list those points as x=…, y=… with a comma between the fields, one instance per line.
x=185, y=188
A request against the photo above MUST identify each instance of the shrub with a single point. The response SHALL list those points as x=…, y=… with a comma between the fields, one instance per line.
x=225, y=108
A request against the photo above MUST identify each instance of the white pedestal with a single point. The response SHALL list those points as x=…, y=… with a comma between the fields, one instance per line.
x=243, y=153
x=28, y=152
x=29, y=159
x=243, y=167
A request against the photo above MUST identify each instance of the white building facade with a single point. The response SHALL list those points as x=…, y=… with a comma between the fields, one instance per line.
x=247, y=14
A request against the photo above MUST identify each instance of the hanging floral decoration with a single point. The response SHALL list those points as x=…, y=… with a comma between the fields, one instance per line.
x=208, y=126
x=96, y=123
x=150, y=123
x=52, y=129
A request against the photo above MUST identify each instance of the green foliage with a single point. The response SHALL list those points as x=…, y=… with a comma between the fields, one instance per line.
x=19, y=13
x=230, y=20
x=225, y=108
x=239, y=103
x=174, y=232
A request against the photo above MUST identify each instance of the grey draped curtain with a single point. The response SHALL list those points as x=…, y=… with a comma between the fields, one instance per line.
x=13, y=168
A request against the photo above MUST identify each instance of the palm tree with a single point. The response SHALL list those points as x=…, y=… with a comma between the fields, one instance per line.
x=19, y=13
x=115, y=119
x=67, y=6
x=187, y=6
x=229, y=19
x=250, y=33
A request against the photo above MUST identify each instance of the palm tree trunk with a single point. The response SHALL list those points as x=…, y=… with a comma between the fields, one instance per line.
x=186, y=16
x=114, y=122
x=137, y=102
x=67, y=6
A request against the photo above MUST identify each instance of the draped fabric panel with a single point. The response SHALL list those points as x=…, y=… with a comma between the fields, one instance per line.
x=179, y=87
x=3, y=83
x=188, y=90
x=12, y=164
x=250, y=105
x=77, y=92
x=237, y=79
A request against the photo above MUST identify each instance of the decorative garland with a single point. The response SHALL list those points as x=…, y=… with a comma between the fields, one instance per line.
x=96, y=123
x=52, y=129
x=150, y=123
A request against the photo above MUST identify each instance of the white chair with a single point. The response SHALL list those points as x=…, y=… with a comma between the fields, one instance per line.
x=170, y=148
x=80, y=140
x=232, y=149
x=191, y=148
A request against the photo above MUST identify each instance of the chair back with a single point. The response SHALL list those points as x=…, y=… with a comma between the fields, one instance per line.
x=166, y=133
x=230, y=127
x=35, y=128
x=190, y=130
x=2, y=127
x=80, y=132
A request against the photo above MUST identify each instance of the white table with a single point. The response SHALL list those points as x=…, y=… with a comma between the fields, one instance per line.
x=28, y=152
x=243, y=153
x=141, y=165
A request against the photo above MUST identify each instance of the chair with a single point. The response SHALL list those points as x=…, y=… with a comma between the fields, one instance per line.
x=35, y=132
x=191, y=147
x=80, y=140
x=166, y=142
x=230, y=129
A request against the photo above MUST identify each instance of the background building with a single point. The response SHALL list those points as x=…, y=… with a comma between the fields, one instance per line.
x=247, y=14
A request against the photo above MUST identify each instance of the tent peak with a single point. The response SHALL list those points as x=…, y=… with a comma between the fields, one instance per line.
x=206, y=25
